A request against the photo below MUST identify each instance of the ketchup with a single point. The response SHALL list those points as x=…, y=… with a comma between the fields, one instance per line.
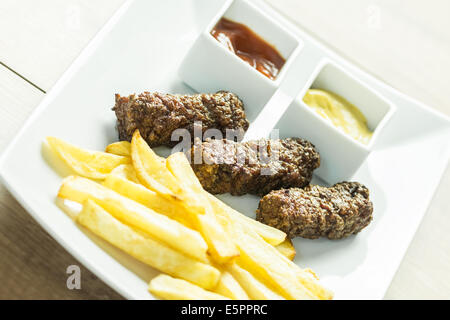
x=249, y=46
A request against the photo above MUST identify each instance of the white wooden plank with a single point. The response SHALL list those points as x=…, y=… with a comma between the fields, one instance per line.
x=17, y=99
x=423, y=273
x=39, y=39
x=32, y=264
x=405, y=43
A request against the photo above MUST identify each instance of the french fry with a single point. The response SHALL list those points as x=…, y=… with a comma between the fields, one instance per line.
x=180, y=168
x=90, y=164
x=120, y=148
x=255, y=289
x=139, y=154
x=159, y=226
x=126, y=171
x=169, y=288
x=152, y=164
x=271, y=235
x=311, y=272
x=147, y=197
x=149, y=165
x=157, y=211
x=206, y=224
x=229, y=287
x=144, y=248
x=309, y=280
x=213, y=233
x=152, y=172
x=286, y=249
x=310, y=288
x=306, y=278
x=221, y=246
x=266, y=263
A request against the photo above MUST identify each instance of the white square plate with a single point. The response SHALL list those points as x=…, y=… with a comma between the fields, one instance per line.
x=141, y=48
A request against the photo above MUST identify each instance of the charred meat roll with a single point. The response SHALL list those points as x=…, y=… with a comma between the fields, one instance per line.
x=335, y=212
x=255, y=167
x=157, y=115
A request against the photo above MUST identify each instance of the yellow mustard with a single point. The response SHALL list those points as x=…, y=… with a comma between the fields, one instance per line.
x=341, y=113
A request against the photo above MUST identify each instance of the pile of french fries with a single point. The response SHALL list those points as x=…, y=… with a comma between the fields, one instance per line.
x=156, y=210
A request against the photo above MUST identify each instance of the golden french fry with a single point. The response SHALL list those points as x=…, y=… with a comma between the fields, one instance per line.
x=140, y=154
x=120, y=148
x=306, y=277
x=154, y=222
x=159, y=226
x=146, y=249
x=179, y=165
x=152, y=163
x=221, y=246
x=229, y=287
x=169, y=288
x=286, y=248
x=90, y=164
x=147, y=197
x=150, y=168
x=309, y=280
x=269, y=234
x=266, y=263
x=148, y=164
x=309, y=286
x=311, y=272
x=255, y=289
x=126, y=171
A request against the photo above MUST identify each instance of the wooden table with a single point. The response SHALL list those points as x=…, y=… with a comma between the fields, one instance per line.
x=405, y=43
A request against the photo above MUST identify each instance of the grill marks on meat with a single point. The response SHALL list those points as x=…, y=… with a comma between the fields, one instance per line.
x=222, y=169
x=335, y=212
x=157, y=115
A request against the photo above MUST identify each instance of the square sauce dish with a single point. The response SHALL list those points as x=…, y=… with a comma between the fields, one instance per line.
x=341, y=154
x=210, y=66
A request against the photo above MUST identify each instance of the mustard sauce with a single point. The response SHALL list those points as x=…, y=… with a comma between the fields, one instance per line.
x=340, y=112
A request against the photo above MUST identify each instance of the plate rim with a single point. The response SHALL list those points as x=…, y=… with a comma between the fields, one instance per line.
x=50, y=95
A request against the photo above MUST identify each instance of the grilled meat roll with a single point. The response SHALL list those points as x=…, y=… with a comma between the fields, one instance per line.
x=316, y=211
x=255, y=167
x=157, y=115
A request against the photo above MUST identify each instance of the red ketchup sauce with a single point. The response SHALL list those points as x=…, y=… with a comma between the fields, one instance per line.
x=249, y=46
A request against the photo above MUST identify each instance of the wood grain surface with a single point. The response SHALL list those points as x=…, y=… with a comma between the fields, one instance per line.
x=405, y=43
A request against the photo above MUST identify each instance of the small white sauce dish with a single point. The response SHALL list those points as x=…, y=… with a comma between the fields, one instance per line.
x=341, y=155
x=209, y=66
